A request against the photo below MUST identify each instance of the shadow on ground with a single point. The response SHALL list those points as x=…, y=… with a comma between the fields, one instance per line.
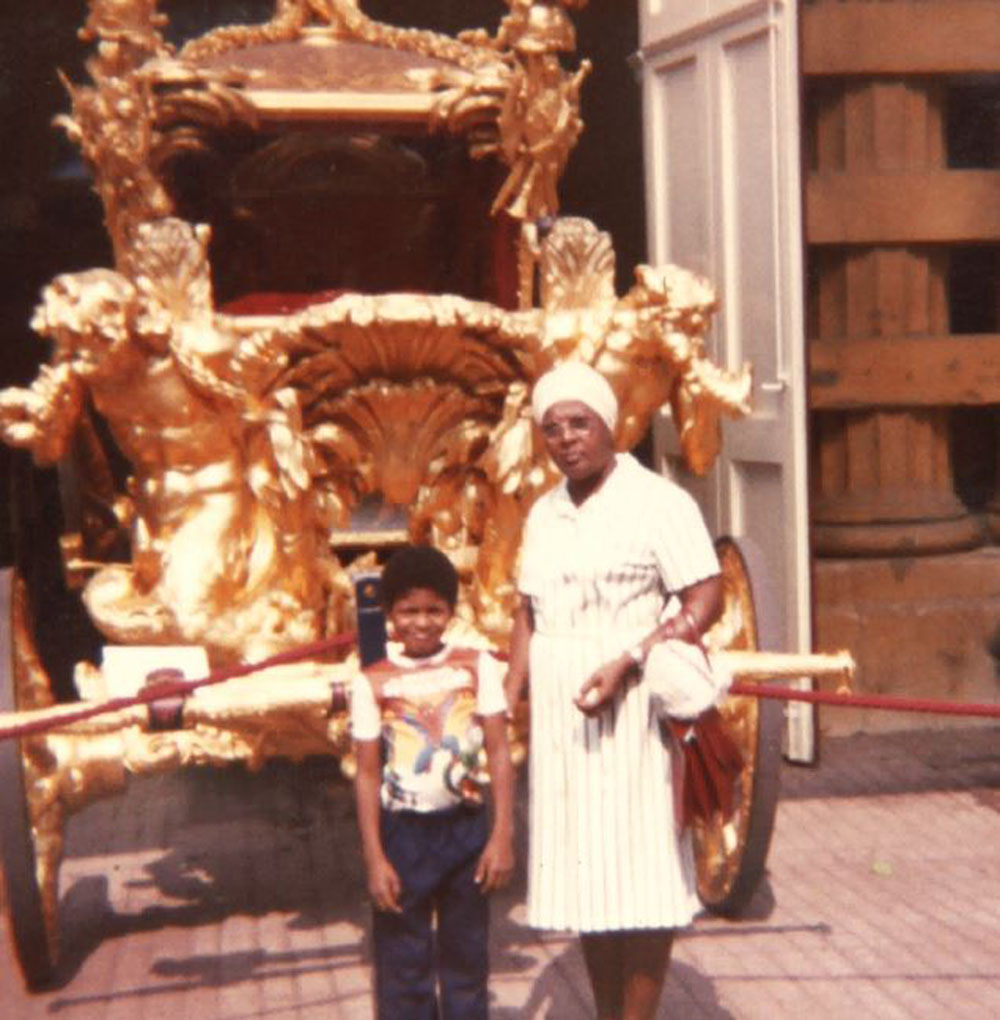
x=283, y=840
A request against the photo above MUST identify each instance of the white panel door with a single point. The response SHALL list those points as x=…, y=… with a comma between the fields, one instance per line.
x=721, y=110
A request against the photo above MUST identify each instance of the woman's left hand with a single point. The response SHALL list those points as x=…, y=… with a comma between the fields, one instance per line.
x=599, y=691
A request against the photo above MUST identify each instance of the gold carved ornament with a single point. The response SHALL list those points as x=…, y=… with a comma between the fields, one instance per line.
x=250, y=438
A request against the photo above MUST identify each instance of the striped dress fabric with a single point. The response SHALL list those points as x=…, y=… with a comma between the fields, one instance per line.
x=604, y=850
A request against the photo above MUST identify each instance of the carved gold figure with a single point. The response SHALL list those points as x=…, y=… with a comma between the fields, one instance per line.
x=226, y=549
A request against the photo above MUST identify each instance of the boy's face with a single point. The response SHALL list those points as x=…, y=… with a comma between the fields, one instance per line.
x=419, y=618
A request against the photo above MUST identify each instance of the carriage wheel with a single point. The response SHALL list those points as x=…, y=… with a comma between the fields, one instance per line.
x=730, y=854
x=33, y=941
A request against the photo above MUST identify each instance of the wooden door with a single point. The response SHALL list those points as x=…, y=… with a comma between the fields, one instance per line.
x=721, y=112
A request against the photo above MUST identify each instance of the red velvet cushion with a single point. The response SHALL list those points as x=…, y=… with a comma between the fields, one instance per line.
x=277, y=303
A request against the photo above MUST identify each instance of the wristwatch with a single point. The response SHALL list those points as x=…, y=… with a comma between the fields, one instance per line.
x=637, y=655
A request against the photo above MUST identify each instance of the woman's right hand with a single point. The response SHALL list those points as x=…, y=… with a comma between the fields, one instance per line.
x=384, y=886
x=513, y=687
x=599, y=690
x=520, y=639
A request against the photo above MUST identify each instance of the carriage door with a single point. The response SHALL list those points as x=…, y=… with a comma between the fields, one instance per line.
x=721, y=112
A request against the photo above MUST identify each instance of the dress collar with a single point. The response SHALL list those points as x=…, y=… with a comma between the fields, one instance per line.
x=564, y=505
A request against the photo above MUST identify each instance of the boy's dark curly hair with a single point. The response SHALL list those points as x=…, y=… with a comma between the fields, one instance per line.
x=418, y=566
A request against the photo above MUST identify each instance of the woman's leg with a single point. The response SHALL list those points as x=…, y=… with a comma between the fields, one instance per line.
x=645, y=958
x=602, y=953
x=627, y=970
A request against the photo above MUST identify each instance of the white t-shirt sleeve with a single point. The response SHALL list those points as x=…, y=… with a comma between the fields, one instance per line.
x=681, y=544
x=366, y=722
x=491, y=698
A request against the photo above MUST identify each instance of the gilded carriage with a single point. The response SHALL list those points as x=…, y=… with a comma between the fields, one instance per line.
x=339, y=265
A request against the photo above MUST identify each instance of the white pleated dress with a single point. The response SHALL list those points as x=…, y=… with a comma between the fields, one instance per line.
x=604, y=850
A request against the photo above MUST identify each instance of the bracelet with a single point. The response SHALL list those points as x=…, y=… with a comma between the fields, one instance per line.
x=637, y=655
x=685, y=613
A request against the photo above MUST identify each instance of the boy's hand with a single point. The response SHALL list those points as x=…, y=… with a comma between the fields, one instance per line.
x=496, y=864
x=384, y=886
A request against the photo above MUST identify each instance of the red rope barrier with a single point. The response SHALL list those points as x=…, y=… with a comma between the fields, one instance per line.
x=178, y=688
x=879, y=701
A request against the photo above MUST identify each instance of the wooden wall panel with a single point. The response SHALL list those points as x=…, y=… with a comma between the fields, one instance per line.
x=904, y=372
x=948, y=206
x=900, y=37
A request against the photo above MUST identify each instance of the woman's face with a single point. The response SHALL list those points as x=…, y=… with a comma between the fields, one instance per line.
x=577, y=440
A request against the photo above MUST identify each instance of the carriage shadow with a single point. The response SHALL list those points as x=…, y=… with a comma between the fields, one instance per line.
x=200, y=846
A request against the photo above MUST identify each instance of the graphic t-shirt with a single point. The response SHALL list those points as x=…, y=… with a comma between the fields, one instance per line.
x=427, y=713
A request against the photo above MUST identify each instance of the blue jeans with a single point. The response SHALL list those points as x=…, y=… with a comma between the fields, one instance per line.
x=435, y=856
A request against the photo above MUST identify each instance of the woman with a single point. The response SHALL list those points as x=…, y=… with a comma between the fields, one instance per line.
x=614, y=559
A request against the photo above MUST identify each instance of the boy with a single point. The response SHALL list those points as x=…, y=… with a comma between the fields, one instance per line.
x=420, y=718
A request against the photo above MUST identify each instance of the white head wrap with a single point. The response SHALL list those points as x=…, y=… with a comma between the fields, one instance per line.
x=574, y=380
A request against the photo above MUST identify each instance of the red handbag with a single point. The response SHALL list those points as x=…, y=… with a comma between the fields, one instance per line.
x=711, y=764
x=686, y=682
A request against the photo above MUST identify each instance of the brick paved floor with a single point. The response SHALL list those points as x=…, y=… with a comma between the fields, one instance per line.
x=218, y=894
